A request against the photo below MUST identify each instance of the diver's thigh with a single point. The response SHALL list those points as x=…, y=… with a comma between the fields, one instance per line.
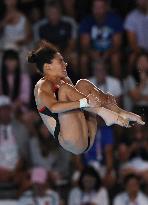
x=92, y=127
x=73, y=129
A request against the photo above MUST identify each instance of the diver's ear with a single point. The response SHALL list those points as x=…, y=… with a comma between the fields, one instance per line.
x=47, y=66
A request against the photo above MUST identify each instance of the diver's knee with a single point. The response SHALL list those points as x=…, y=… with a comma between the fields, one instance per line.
x=82, y=83
x=72, y=145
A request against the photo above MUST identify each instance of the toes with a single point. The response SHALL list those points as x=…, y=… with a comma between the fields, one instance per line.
x=127, y=125
x=123, y=122
x=134, y=118
x=141, y=122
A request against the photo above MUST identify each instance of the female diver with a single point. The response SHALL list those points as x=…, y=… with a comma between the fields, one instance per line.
x=69, y=111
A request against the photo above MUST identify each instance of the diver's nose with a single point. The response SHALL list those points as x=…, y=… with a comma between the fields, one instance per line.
x=66, y=65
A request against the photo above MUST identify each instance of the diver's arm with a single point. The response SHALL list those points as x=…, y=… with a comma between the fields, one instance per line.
x=56, y=106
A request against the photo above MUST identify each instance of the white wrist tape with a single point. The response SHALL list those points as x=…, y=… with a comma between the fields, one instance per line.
x=83, y=103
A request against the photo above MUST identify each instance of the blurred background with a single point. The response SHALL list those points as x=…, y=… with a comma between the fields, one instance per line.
x=104, y=41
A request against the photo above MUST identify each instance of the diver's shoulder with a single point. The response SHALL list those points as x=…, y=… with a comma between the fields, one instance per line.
x=43, y=85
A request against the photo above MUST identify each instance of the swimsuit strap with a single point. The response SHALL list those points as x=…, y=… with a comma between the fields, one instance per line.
x=47, y=112
x=42, y=109
x=55, y=88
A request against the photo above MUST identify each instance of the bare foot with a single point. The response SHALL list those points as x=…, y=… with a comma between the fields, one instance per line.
x=111, y=118
x=132, y=117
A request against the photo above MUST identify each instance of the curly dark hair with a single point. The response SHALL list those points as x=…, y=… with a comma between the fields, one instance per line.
x=44, y=53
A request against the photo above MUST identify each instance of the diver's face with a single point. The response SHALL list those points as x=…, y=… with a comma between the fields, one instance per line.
x=57, y=67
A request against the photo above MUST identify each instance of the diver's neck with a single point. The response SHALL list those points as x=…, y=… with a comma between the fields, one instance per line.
x=53, y=80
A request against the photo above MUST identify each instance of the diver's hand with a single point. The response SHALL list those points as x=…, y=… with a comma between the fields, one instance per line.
x=93, y=101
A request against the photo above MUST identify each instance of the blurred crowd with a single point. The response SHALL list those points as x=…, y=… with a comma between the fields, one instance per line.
x=104, y=41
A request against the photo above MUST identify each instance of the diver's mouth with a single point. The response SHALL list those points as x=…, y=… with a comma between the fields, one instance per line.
x=64, y=71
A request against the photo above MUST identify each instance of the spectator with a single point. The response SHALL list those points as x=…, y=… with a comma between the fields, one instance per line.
x=35, y=15
x=136, y=87
x=40, y=193
x=122, y=155
x=136, y=25
x=26, y=6
x=135, y=160
x=89, y=191
x=69, y=8
x=13, y=150
x=15, y=27
x=14, y=83
x=101, y=154
x=76, y=9
x=139, y=143
x=100, y=37
x=132, y=194
x=45, y=20
x=44, y=153
x=60, y=32
x=102, y=80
